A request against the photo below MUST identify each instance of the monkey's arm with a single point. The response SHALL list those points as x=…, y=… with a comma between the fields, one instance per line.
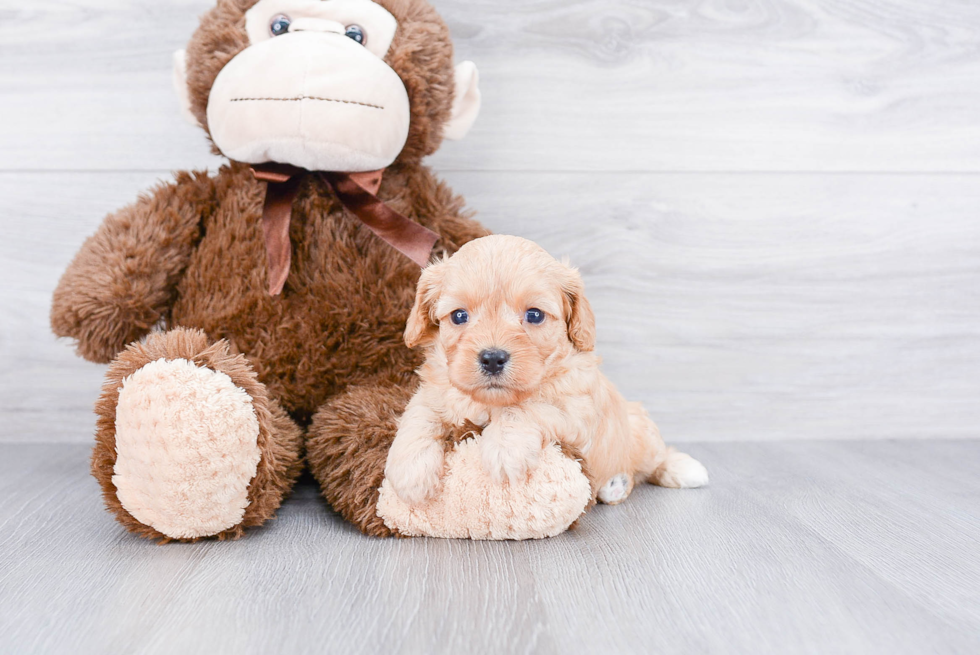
x=122, y=281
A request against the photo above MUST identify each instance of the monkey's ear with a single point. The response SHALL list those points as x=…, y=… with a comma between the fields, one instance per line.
x=578, y=312
x=466, y=102
x=180, y=86
x=422, y=326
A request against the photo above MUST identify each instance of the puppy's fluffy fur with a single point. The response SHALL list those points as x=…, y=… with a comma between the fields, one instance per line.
x=549, y=390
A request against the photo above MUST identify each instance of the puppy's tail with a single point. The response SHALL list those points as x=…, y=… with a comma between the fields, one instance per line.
x=657, y=463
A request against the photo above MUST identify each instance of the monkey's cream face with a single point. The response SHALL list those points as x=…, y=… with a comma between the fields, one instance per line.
x=312, y=89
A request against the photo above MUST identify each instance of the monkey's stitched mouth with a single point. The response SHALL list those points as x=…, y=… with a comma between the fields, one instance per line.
x=301, y=98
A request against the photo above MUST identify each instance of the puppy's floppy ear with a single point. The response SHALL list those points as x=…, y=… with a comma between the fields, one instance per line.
x=578, y=312
x=422, y=325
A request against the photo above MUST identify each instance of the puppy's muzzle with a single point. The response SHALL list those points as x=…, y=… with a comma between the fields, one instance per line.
x=493, y=360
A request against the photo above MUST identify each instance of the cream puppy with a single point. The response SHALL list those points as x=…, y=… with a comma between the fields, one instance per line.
x=509, y=337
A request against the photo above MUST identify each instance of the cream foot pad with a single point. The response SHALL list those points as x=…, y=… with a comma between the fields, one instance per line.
x=472, y=506
x=186, y=444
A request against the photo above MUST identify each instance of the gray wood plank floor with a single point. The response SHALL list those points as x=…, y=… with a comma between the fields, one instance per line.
x=817, y=547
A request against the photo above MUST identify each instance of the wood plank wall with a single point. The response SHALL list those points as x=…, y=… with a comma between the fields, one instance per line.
x=775, y=203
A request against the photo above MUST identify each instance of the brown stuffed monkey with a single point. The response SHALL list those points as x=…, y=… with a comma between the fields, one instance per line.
x=253, y=319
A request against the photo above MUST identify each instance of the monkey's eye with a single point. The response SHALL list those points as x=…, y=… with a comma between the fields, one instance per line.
x=459, y=316
x=534, y=316
x=356, y=32
x=280, y=25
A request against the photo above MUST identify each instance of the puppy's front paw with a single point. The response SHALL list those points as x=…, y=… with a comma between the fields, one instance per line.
x=415, y=477
x=510, y=456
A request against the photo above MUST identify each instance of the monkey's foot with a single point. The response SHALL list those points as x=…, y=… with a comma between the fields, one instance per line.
x=350, y=437
x=472, y=505
x=187, y=448
x=197, y=448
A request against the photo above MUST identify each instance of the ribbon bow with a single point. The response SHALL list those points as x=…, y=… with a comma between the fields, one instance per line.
x=356, y=192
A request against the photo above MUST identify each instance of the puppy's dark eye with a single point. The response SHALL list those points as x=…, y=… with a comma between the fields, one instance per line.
x=356, y=32
x=460, y=316
x=280, y=25
x=534, y=316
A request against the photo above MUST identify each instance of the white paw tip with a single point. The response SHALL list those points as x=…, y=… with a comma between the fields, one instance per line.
x=615, y=489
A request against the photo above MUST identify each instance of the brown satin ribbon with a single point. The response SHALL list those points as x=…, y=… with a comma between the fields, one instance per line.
x=356, y=191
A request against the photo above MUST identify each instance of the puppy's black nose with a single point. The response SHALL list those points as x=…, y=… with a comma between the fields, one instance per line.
x=493, y=360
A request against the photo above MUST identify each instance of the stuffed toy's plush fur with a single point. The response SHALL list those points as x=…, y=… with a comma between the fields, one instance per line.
x=509, y=337
x=218, y=390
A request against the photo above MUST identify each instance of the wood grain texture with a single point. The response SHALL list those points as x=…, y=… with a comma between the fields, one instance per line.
x=737, y=307
x=817, y=547
x=771, y=306
x=658, y=85
x=774, y=205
